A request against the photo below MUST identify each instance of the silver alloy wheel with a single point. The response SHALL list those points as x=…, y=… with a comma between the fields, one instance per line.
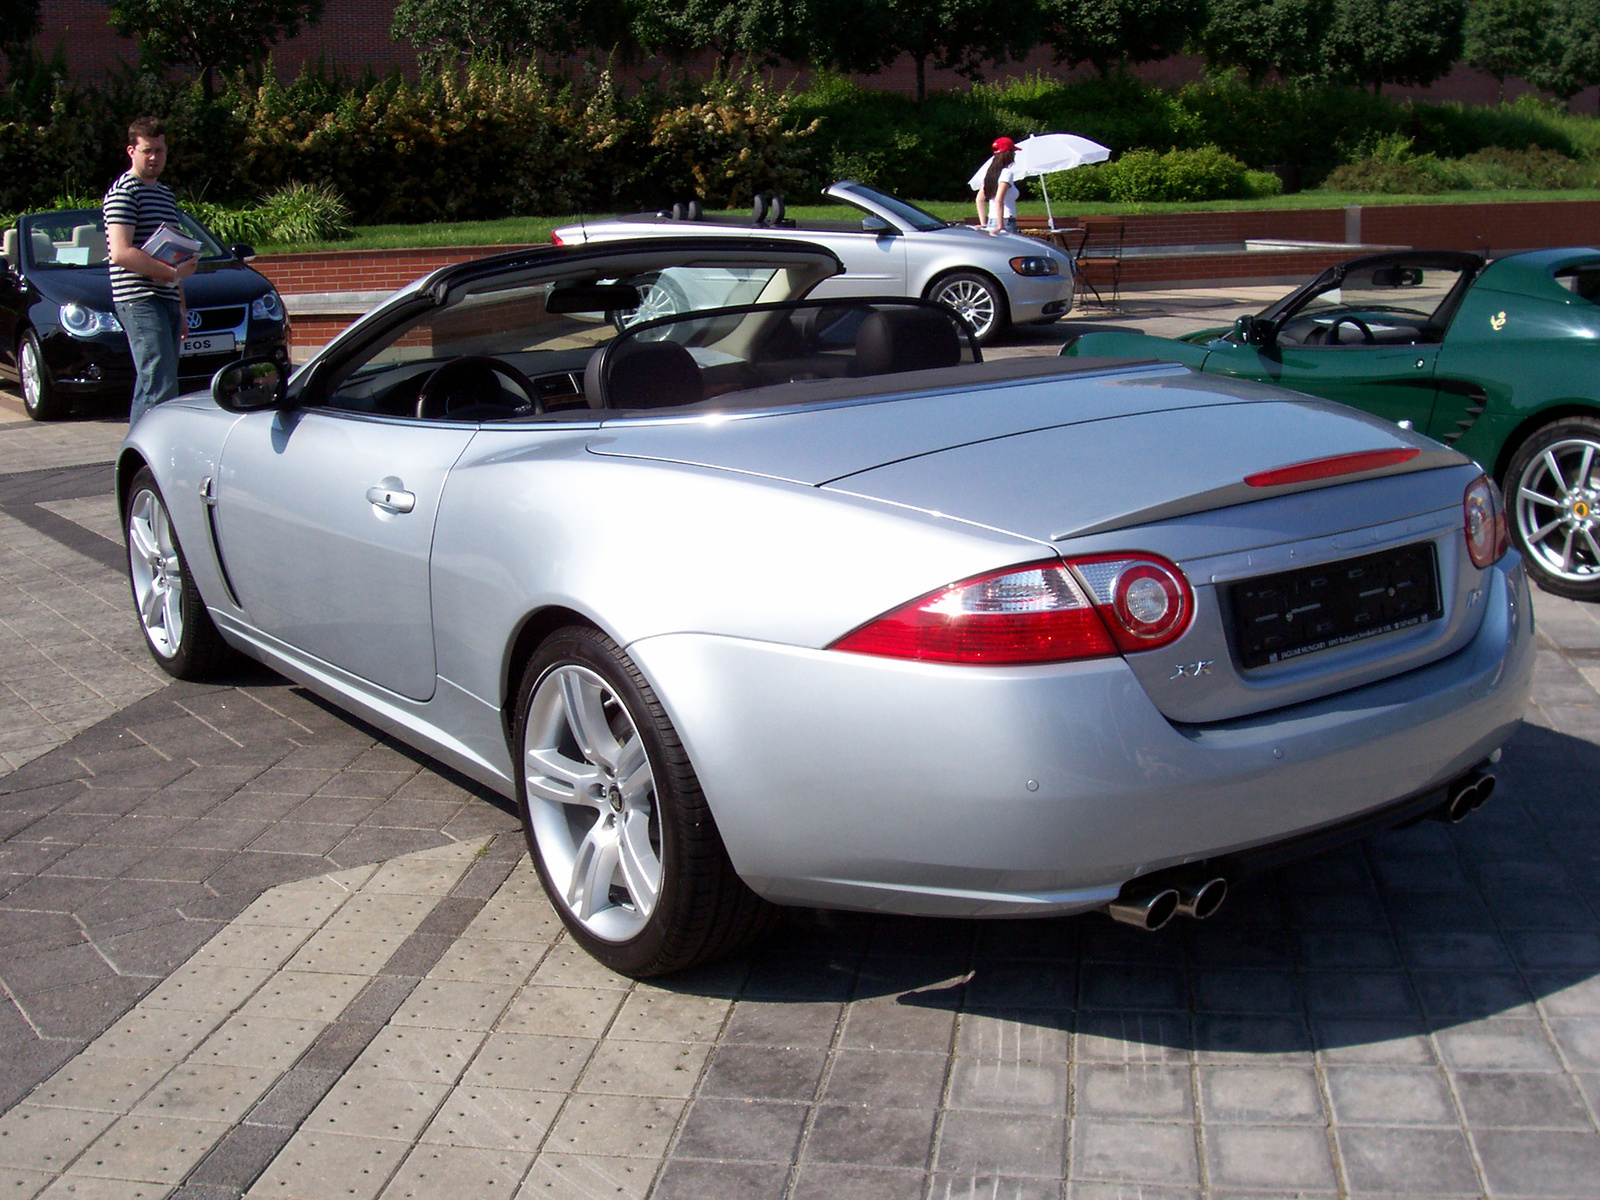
x=157, y=572
x=1557, y=509
x=30, y=369
x=972, y=300
x=592, y=802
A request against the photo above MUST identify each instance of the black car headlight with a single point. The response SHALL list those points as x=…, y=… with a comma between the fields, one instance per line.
x=82, y=321
x=1035, y=264
x=267, y=308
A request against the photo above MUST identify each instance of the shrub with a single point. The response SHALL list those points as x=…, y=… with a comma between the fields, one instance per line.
x=1144, y=176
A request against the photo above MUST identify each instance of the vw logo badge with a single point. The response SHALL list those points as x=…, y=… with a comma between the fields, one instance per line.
x=192, y=319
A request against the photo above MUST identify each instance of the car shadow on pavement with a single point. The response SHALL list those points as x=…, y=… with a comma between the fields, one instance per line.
x=1408, y=933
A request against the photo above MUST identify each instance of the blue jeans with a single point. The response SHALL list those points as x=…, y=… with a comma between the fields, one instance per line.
x=155, y=331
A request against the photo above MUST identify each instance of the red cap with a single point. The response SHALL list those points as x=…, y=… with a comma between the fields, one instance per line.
x=1002, y=144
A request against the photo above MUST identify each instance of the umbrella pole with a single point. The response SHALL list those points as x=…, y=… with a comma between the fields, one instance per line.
x=1045, y=185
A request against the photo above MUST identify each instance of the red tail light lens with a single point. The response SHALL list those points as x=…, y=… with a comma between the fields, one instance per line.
x=555, y=239
x=1146, y=601
x=1488, y=533
x=1040, y=613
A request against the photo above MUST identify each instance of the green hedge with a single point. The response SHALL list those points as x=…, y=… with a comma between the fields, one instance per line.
x=493, y=141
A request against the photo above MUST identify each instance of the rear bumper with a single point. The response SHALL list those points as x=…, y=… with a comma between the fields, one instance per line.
x=845, y=781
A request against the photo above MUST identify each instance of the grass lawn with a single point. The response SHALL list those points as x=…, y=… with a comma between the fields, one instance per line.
x=522, y=230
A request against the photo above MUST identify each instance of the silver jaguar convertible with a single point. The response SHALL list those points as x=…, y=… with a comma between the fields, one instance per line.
x=802, y=602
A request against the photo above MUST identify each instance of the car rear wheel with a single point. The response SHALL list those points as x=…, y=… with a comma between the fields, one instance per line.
x=658, y=297
x=172, y=616
x=617, y=825
x=1553, y=491
x=39, y=395
x=978, y=299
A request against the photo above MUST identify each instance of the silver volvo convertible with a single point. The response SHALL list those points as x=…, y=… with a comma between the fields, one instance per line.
x=890, y=248
x=801, y=602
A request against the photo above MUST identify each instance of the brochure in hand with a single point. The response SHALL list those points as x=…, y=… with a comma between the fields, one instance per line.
x=170, y=245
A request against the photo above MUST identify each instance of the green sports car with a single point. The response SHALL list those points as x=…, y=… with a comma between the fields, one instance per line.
x=1500, y=359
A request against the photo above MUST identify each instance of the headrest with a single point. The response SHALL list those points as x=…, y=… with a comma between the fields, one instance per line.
x=906, y=339
x=44, y=250
x=647, y=375
x=94, y=238
x=11, y=246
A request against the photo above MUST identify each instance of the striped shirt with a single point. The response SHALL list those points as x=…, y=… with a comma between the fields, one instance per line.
x=132, y=201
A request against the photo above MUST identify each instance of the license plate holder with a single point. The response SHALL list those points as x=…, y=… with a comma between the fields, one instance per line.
x=208, y=343
x=1290, y=614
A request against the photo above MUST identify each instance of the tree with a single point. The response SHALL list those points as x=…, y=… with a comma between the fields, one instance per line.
x=209, y=35
x=957, y=35
x=443, y=30
x=760, y=31
x=19, y=24
x=1109, y=33
x=1265, y=37
x=1374, y=42
x=1503, y=38
x=1569, y=60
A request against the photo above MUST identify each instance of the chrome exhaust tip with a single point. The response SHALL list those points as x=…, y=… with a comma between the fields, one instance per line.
x=1149, y=911
x=1464, y=797
x=1202, y=899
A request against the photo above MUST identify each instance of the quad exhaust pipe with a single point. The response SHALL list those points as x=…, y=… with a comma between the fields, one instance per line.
x=1150, y=908
x=1464, y=796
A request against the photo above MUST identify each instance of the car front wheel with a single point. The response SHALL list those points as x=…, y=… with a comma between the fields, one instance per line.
x=979, y=301
x=39, y=395
x=172, y=616
x=1553, y=492
x=618, y=827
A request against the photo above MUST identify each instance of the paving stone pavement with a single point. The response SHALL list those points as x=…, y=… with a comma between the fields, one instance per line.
x=212, y=990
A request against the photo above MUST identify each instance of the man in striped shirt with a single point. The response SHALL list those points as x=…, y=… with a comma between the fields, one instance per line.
x=147, y=293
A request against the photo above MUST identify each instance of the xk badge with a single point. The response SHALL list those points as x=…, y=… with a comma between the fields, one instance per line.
x=1192, y=670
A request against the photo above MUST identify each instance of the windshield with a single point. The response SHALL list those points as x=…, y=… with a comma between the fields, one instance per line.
x=903, y=211
x=548, y=346
x=77, y=238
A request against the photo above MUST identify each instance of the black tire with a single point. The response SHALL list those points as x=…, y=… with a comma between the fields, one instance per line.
x=702, y=910
x=1564, y=559
x=989, y=316
x=197, y=650
x=40, y=397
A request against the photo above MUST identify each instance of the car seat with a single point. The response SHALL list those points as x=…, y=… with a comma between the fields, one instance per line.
x=11, y=248
x=44, y=250
x=634, y=374
x=94, y=238
x=906, y=339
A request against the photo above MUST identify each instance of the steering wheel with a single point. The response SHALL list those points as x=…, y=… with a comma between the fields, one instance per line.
x=1367, y=337
x=456, y=391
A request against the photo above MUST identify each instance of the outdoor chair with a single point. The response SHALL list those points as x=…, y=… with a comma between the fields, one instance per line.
x=1099, y=248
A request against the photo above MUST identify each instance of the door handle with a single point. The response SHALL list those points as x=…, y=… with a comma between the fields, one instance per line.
x=391, y=498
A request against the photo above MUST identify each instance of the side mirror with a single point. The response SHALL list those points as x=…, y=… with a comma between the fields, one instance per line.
x=250, y=385
x=875, y=225
x=1254, y=331
x=243, y=251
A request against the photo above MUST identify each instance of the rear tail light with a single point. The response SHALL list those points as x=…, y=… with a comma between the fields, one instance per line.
x=1040, y=613
x=555, y=239
x=1488, y=533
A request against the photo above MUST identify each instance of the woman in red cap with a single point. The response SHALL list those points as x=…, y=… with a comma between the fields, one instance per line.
x=997, y=198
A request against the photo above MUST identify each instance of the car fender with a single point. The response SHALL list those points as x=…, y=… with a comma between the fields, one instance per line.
x=1116, y=344
x=181, y=442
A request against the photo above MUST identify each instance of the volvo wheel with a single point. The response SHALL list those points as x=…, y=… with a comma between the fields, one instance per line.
x=617, y=825
x=1553, y=492
x=40, y=397
x=979, y=301
x=173, y=617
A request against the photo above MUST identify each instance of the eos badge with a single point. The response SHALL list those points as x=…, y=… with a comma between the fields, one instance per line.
x=1192, y=670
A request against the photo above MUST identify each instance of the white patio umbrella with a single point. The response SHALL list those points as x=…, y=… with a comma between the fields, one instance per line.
x=1046, y=152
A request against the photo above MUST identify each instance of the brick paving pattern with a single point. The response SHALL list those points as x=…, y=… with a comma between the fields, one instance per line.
x=210, y=990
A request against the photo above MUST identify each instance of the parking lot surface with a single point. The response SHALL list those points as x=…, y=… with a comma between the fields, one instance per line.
x=249, y=945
